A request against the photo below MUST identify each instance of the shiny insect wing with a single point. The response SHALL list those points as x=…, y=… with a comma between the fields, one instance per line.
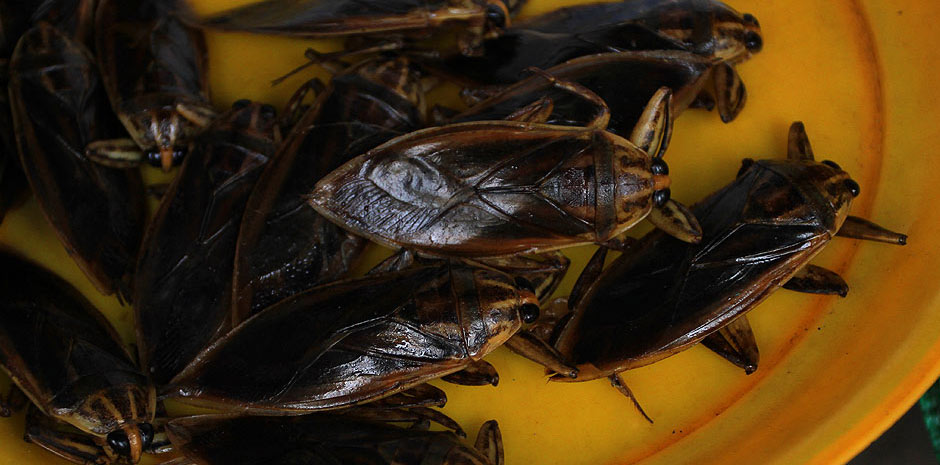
x=491, y=188
x=383, y=19
x=59, y=106
x=284, y=246
x=665, y=295
x=329, y=438
x=154, y=69
x=625, y=80
x=184, y=273
x=703, y=27
x=358, y=340
x=69, y=361
x=706, y=27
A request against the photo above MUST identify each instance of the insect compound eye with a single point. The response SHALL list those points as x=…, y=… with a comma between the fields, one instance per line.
x=523, y=283
x=753, y=42
x=239, y=104
x=496, y=15
x=659, y=167
x=153, y=158
x=750, y=19
x=832, y=164
x=268, y=112
x=660, y=197
x=178, y=156
x=852, y=186
x=529, y=312
x=118, y=441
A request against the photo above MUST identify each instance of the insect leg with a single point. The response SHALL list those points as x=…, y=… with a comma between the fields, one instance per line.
x=477, y=373
x=858, y=228
x=116, y=153
x=490, y=442
x=295, y=107
x=735, y=342
x=621, y=386
x=678, y=221
x=535, y=112
x=654, y=128
x=814, y=279
x=62, y=439
x=798, y=146
x=531, y=347
x=730, y=92
x=331, y=61
x=475, y=95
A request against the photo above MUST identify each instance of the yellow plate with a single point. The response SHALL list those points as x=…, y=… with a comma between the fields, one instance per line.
x=834, y=372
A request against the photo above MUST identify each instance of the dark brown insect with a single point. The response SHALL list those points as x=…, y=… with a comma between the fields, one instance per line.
x=73, y=18
x=386, y=20
x=358, y=340
x=625, y=81
x=58, y=107
x=707, y=28
x=154, y=69
x=327, y=438
x=495, y=188
x=284, y=247
x=759, y=232
x=95, y=406
x=184, y=274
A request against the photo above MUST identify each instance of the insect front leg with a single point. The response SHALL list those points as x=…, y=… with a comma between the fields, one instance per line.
x=730, y=93
x=736, y=343
x=678, y=221
x=295, y=108
x=814, y=279
x=535, y=112
x=490, y=442
x=62, y=439
x=477, y=373
x=539, y=351
x=859, y=228
x=116, y=153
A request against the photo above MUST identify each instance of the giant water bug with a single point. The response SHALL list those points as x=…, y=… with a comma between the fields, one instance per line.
x=493, y=188
x=91, y=404
x=759, y=233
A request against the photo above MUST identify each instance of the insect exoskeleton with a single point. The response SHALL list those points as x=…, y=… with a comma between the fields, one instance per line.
x=91, y=404
x=362, y=339
x=387, y=21
x=759, y=232
x=494, y=188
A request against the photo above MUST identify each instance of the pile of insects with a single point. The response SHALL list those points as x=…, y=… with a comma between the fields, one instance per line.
x=241, y=281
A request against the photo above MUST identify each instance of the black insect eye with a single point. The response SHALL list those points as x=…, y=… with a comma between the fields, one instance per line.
x=832, y=164
x=496, y=15
x=753, y=41
x=268, y=112
x=146, y=434
x=153, y=157
x=659, y=167
x=750, y=19
x=529, y=312
x=660, y=197
x=119, y=443
x=178, y=156
x=239, y=104
x=523, y=283
x=852, y=186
